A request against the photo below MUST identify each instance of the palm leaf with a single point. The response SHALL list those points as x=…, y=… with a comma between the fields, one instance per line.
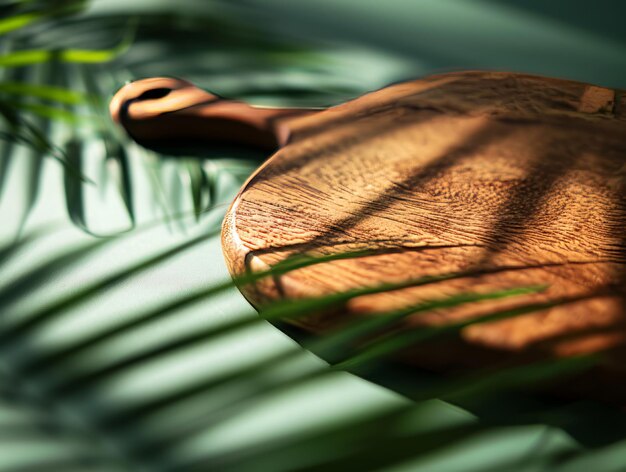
x=62, y=377
x=56, y=35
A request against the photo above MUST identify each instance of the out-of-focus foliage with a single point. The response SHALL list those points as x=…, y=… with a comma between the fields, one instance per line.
x=62, y=61
x=64, y=380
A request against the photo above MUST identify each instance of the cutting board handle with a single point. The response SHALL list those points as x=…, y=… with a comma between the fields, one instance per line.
x=174, y=111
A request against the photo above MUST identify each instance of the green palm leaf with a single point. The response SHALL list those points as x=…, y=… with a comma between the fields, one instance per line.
x=65, y=389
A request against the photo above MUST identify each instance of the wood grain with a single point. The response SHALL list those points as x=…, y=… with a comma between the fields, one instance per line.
x=521, y=179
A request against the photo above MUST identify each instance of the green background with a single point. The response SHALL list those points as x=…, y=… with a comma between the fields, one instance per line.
x=320, y=53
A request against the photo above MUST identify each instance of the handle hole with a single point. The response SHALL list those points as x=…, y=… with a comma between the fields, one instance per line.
x=154, y=94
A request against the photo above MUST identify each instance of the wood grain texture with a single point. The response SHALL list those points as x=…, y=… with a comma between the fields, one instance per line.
x=517, y=177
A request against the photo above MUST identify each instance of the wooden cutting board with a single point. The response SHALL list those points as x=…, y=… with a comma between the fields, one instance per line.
x=518, y=179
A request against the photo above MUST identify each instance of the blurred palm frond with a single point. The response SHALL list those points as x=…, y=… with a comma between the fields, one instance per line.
x=60, y=388
x=61, y=62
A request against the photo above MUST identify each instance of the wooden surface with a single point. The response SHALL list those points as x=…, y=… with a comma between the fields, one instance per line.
x=519, y=178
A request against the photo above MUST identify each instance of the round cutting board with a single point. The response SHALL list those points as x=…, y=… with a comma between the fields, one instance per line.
x=513, y=180
x=518, y=179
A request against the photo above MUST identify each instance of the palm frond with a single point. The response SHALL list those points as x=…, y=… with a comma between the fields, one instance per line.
x=212, y=42
x=61, y=375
